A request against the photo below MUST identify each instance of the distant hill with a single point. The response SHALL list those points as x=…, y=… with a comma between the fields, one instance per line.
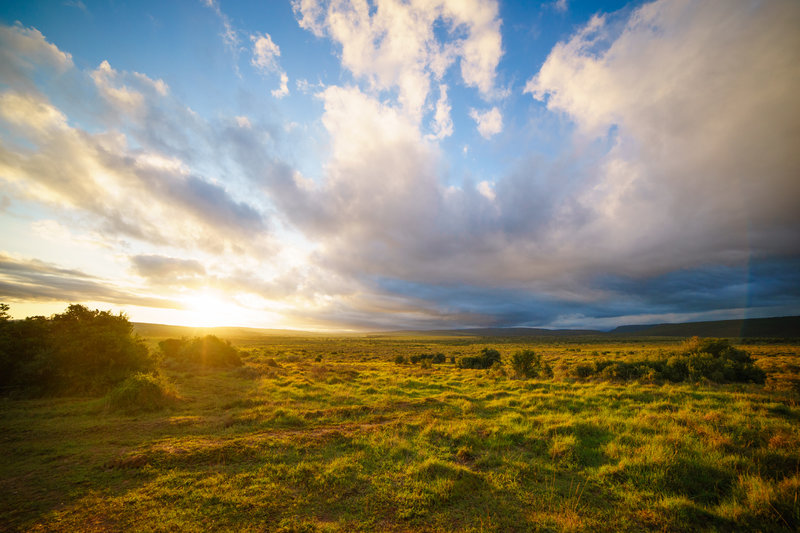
x=787, y=326
x=780, y=327
x=163, y=330
x=493, y=332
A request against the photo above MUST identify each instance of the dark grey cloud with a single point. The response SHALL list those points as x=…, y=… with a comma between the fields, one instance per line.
x=752, y=289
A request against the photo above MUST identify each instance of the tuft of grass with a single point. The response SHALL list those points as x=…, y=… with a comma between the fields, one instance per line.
x=141, y=392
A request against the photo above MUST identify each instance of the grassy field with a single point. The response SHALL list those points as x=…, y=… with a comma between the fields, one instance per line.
x=331, y=434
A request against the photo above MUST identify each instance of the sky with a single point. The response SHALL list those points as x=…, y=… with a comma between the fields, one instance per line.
x=401, y=164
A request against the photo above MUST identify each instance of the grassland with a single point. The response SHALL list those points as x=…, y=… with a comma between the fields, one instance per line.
x=330, y=434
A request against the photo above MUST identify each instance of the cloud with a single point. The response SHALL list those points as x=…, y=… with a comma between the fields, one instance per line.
x=152, y=175
x=700, y=100
x=485, y=188
x=160, y=269
x=77, y=4
x=141, y=195
x=679, y=181
x=380, y=196
x=442, y=123
x=489, y=122
x=34, y=280
x=22, y=50
x=306, y=87
x=283, y=90
x=119, y=97
x=693, y=167
x=394, y=46
x=136, y=184
x=28, y=112
x=230, y=36
x=126, y=98
x=265, y=52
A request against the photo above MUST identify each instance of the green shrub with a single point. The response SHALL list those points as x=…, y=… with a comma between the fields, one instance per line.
x=583, y=370
x=700, y=359
x=486, y=359
x=78, y=351
x=141, y=392
x=400, y=360
x=717, y=360
x=527, y=364
x=208, y=351
x=437, y=358
x=677, y=368
x=170, y=348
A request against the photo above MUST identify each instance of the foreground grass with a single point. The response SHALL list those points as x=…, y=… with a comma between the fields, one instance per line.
x=331, y=435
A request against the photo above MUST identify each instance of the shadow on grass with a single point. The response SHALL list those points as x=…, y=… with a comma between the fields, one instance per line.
x=454, y=497
x=591, y=440
x=688, y=477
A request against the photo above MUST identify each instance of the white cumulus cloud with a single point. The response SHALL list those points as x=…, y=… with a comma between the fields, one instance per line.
x=489, y=122
x=394, y=46
x=702, y=100
x=265, y=52
x=283, y=90
x=442, y=125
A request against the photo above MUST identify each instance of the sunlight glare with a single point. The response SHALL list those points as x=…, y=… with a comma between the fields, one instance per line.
x=206, y=309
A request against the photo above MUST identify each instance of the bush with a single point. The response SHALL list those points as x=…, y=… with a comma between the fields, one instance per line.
x=78, y=351
x=170, y=348
x=717, y=360
x=141, y=392
x=437, y=358
x=583, y=370
x=701, y=359
x=400, y=360
x=526, y=364
x=208, y=351
x=677, y=368
x=486, y=359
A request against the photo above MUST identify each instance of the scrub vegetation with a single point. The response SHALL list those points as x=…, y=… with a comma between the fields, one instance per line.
x=315, y=433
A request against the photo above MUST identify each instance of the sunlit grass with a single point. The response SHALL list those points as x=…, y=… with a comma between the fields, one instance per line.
x=332, y=435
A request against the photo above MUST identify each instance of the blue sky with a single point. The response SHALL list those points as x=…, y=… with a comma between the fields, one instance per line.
x=401, y=164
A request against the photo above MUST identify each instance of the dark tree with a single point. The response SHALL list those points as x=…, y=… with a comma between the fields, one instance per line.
x=78, y=351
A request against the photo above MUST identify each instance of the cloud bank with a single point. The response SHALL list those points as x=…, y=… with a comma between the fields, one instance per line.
x=673, y=196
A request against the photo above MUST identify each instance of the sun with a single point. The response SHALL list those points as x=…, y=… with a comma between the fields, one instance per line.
x=206, y=309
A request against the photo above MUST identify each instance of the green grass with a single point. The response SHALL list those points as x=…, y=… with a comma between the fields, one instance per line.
x=356, y=442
